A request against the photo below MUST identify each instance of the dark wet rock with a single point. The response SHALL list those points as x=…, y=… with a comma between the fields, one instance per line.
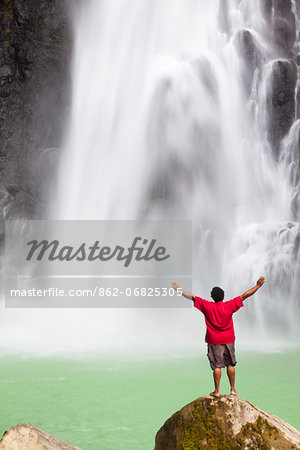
x=249, y=52
x=35, y=48
x=284, y=27
x=227, y=422
x=282, y=7
x=25, y=436
x=298, y=101
x=297, y=60
x=297, y=3
x=290, y=155
x=284, y=34
x=266, y=8
x=16, y=203
x=5, y=72
x=281, y=100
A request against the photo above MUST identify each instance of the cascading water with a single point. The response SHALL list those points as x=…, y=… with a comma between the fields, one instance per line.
x=173, y=116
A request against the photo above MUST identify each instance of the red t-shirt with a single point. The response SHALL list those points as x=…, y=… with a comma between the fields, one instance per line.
x=218, y=319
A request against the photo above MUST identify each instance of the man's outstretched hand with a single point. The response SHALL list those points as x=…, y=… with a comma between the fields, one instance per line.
x=252, y=291
x=261, y=281
x=183, y=293
x=175, y=285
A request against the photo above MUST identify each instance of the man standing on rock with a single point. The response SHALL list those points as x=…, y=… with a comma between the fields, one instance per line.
x=220, y=335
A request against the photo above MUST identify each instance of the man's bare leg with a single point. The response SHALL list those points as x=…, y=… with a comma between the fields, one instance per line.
x=231, y=376
x=217, y=377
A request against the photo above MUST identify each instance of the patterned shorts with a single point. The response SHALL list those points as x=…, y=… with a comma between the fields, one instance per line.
x=221, y=355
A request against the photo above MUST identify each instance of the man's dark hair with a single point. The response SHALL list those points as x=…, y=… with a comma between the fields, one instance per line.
x=217, y=294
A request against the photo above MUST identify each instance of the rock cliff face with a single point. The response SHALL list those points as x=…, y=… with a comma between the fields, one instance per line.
x=26, y=436
x=225, y=423
x=281, y=62
x=282, y=107
x=35, y=47
x=281, y=102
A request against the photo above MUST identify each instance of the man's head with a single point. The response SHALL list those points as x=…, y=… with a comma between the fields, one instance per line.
x=217, y=294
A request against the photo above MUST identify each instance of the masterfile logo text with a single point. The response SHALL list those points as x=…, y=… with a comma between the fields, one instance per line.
x=96, y=263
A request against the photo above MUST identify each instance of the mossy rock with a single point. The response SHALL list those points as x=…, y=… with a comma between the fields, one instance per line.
x=225, y=423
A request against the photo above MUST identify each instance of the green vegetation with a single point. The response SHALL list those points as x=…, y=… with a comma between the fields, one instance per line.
x=211, y=427
x=207, y=430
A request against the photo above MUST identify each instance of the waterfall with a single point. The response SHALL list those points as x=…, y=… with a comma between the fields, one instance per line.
x=178, y=112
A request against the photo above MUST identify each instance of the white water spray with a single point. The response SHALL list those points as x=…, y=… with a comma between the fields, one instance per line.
x=167, y=121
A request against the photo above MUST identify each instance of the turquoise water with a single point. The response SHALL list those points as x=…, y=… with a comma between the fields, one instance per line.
x=107, y=404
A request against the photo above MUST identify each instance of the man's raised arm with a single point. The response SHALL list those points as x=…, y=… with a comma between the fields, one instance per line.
x=252, y=291
x=184, y=293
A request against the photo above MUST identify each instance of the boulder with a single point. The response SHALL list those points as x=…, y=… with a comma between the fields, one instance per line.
x=25, y=436
x=250, y=54
x=281, y=100
x=284, y=26
x=284, y=34
x=227, y=422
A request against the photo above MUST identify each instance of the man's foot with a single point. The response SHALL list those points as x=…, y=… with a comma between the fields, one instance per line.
x=215, y=394
x=234, y=393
